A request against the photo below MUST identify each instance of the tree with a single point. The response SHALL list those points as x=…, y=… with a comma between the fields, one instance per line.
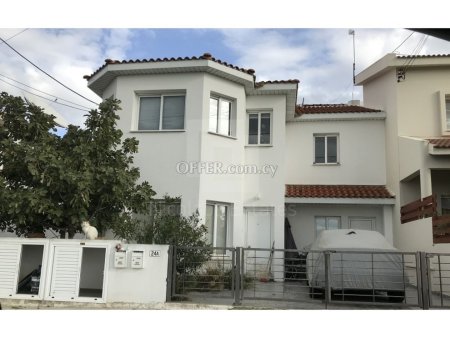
x=48, y=181
x=166, y=226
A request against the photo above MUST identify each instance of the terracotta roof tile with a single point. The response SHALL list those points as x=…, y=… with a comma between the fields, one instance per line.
x=205, y=56
x=443, y=142
x=337, y=191
x=262, y=83
x=332, y=109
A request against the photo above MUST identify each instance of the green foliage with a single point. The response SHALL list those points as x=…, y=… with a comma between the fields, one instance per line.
x=48, y=181
x=212, y=278
x=178, y=230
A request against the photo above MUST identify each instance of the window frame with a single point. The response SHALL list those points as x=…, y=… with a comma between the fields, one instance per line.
x=155, y=209
x=161, y=109
x=326, y=136
x=259, y=112
x=326, y=222
x=444, y=98
x=214, y=225
x=231, y=119
x=442, y=198
x=447, y=112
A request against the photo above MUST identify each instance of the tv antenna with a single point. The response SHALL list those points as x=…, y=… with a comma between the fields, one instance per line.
x=352, y=32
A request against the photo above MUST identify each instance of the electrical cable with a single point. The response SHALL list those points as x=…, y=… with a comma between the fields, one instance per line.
x=26, y=91
x=12, y=37
x=50, y=76
x=403, y=42
x=40, y=91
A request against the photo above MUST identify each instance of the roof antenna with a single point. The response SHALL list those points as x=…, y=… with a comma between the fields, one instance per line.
x=352, y=32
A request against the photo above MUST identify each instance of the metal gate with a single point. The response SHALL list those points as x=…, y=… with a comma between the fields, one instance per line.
x=317, y=279
x=436, y=280
x=202, y=274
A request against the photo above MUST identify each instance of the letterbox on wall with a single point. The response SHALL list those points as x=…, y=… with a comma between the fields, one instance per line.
x=137, y=259
x=120, y=259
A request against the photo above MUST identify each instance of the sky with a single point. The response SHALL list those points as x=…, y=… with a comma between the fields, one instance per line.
x=320, y=58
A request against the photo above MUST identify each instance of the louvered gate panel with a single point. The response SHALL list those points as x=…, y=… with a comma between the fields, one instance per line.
x=66, y=273
x=9, y=269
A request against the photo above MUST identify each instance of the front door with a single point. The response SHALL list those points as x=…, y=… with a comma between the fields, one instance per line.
x=259, y=228
x=259, y=236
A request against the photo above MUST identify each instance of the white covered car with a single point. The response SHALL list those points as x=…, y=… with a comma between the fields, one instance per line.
x=362, y=262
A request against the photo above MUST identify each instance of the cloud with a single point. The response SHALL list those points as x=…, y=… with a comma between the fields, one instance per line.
x=321, y=59
x=66, y=54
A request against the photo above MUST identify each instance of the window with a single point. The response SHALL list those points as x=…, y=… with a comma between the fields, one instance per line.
x=160, y=207
x=362, y=223
x=327, y=223
x=259, y=128
x=164, y=112
x=326, y=149
x=445, y=205
x=220, y=116
x=447, y=111
x=217, y=223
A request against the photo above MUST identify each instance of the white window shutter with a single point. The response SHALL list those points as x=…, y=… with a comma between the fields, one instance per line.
x=66, y=273
x=9, y=269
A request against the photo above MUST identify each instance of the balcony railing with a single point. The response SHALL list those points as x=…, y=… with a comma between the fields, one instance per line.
x=424, y=208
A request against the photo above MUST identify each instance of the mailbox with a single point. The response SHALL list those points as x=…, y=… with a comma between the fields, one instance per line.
x=120, y=259
x=137, y=259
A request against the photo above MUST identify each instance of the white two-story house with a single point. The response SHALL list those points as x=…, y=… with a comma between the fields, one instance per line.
x=318, y=166
x=211, y=135
x=415, y=94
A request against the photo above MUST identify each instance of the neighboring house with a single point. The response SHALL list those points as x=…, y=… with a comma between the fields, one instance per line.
x=336, y=177
x=188, y=113
x=415, y=94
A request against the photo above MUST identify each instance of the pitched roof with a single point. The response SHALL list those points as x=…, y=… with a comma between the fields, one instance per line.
x=337, y=191
x=262, y=83
x=443, y=142
x=332, y=109
x=205, y=56
x=422, y=56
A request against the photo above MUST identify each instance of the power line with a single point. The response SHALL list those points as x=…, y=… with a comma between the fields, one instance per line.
x=62, y=84
x=403, y=42
x=40, y=91
x=26, y=91
x=12, y=37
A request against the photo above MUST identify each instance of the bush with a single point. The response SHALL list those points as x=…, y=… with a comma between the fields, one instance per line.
x=180, y=231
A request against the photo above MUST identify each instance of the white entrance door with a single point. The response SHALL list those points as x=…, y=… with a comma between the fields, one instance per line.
x=259, y=228
x=259, y=235
x=362, y=223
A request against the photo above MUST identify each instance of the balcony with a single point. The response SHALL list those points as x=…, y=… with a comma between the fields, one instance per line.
x=425, y=208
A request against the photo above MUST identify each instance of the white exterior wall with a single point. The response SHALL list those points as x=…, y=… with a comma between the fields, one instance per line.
x=160, y=151
x=413, y=109
x=361, y=153
x=302, y=218
x=266, y=190
x=226, y=151
x=129, y=285
x=147, y=285
x=419, y=106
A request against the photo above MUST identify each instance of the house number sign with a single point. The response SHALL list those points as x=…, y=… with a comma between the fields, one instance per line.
x=155, y=253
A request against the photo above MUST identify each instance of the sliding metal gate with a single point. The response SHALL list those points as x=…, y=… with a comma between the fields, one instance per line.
x=245, y=276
